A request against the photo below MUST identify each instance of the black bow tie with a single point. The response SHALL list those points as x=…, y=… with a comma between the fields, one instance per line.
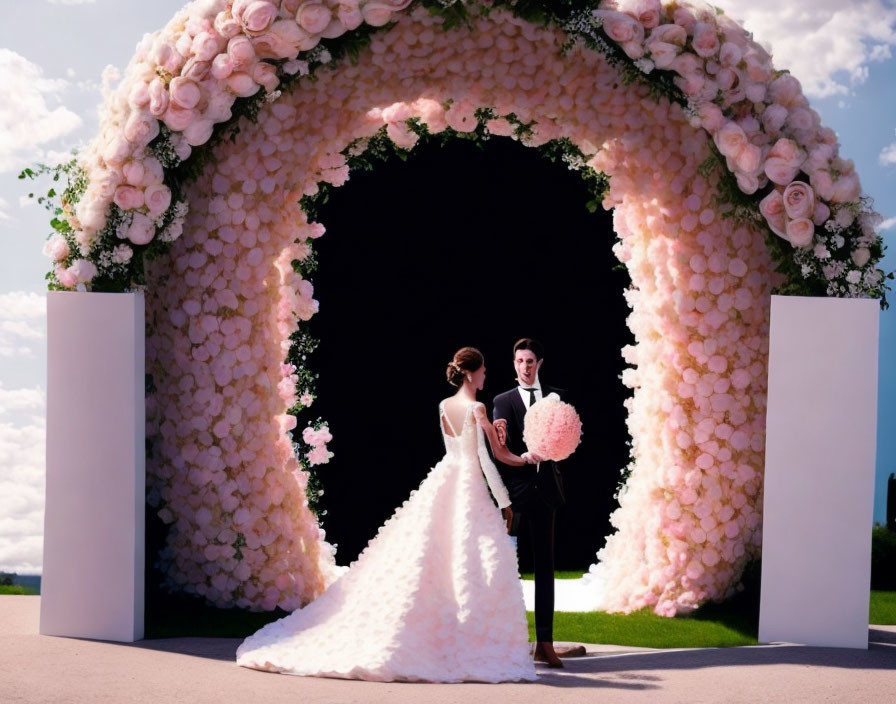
x=531, y=394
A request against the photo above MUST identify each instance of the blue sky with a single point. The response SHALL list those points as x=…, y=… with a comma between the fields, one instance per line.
x=841, y=50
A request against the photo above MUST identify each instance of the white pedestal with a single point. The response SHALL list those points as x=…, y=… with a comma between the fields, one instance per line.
x=92, y=584
x=819, y=471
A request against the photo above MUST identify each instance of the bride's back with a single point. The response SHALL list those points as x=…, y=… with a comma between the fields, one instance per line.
x=454, y=415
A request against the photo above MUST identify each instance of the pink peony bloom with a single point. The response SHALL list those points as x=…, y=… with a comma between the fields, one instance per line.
x=56, y=247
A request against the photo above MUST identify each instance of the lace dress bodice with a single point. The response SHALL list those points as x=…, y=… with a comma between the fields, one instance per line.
x=468, y=445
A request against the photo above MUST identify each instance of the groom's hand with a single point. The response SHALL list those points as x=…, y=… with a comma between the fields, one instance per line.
x=501, y=429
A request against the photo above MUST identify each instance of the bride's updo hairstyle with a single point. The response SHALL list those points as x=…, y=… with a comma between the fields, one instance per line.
x=466, y=359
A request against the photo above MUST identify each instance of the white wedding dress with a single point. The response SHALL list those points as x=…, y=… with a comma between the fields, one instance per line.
x=434, y=597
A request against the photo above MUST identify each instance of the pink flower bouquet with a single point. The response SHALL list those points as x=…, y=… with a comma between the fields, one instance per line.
x=553, y=429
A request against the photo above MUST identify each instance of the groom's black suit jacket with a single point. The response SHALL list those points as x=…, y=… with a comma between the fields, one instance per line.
x=526, y=484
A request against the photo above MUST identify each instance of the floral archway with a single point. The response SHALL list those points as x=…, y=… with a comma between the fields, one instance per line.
x=230, y=122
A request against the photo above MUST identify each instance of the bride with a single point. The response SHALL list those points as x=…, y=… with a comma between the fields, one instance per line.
x=435, y=596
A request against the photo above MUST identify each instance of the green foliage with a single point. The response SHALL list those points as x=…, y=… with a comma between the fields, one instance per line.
x=15, y=590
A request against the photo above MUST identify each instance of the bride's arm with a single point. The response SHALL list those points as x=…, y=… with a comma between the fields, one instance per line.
x=501, y=453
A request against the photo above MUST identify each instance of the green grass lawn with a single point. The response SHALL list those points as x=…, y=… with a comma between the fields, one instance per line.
x=15, y=589
x=883, y=608
x=731, y=623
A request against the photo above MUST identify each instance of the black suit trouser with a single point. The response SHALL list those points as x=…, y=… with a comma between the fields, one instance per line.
x=540, y=518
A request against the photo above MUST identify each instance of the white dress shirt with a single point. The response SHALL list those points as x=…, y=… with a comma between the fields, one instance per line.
x=525, y=394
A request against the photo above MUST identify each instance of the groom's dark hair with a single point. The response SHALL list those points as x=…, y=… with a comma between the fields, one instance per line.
x=527, y=343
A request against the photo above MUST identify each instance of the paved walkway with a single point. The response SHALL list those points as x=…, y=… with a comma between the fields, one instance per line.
x=36, y=668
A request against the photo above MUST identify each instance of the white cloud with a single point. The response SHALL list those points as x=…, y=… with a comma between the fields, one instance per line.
x=886, y=224
x=22, y=322
x=887, y=156
x=827, y=44
x=71, y=2
x=27, y=120
x=22, y=476
x=4, y=208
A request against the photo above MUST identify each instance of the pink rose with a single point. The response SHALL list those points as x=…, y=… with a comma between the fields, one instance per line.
x=222, y=66
x=184, y=93
x=306, y=399
x=730, y=54
x=242, y=85
x=780, y=170
x=128, y=197
x=749, y=159
x=748, y=183
x=199, y=132
x=206, y=46
x=313, y=17
x=319, y=455
x=152, y=172
x=620, y=27
x=56, y=247
x=461, y=116
x=158, y=97
x=821, y=213
x=669, y=34
x=861, y=256
x=500, y=127
x=177, y=118
x=846, y=188
x=799, y=200
x=287, y=34
x=141, y=128
x=801, y=232
x=83, y=270
x=774, y=117
x=66, y=277
x=376, y=14
x=166, y=56
x=705, y=40
x=772, y=209
x=138, y=97
x=350, y=15
x=226, y=25
x=730, y=139
x=683, y=17
x=158, y=198
x=785, y=89
x=141, y=230
x=132, y=170
x=647, y=12
x=265, y=74
x=432, y=113
x=241, y=52
x=711, y=117
x=401, y=135
x=256, y=16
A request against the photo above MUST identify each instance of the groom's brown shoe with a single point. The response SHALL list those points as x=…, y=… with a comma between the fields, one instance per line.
x=574, y=651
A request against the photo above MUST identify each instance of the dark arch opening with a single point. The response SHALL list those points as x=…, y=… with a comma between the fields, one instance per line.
x=463, y=245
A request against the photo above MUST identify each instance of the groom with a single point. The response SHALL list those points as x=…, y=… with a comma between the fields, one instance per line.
x=536, y=490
